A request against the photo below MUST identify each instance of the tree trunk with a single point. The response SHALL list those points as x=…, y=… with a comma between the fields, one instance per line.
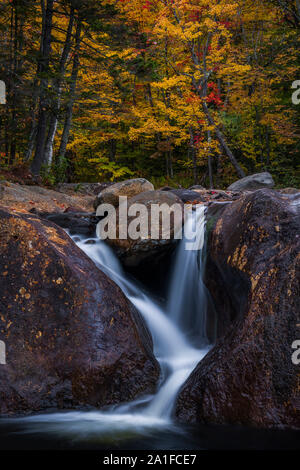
x=268, y=147
x=194, y=157
x=57, y=88
x=36, y=92
x=14, y=90
x=112, y=150
x=171, y=171
x=72, y=95
x=202, y=92
x=167, y=164
x=43, y=106
x=210, y=172
x=222, y=141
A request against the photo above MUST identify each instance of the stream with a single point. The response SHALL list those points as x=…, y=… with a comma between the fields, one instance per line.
x=179, y=339
x=178, y=328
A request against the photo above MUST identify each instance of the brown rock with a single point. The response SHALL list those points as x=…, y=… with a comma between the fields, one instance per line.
x=133, y=252
x=289, y=191
x=196, y=187
x=188, y=196
x=253, y=274
x=72, y=338
x=90, y=189
x=22, y=197
x=253, y=182
x=129, y=188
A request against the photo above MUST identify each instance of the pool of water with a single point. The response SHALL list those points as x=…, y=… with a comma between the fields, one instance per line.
x=73, y=431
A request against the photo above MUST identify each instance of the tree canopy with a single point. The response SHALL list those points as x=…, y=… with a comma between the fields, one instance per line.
x=177, y=91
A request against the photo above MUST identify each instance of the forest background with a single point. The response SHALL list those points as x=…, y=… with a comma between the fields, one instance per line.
x=180, y=92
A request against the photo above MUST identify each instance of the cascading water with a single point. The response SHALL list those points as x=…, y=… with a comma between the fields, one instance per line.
x=170, y=329
x=187, y=297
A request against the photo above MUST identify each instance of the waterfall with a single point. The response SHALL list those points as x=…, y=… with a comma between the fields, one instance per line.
x=187, y=297
x=171, y=329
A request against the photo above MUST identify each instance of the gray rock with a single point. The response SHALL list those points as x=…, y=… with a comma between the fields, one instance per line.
x=129, y=188
x=187, y=196
x=82, y=188
x=252, y=182
x=289, y=191
x=196, y=186
x=134, y=252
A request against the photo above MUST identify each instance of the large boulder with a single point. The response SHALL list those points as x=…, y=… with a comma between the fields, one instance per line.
x=289, y=191
x=134, y=252
x=78, y=223
x=72, y=338
x=253, y=182
x=188, y=196
x=129, y=188
x=196, y=187
x=23, y=197
x=253, y=275
x=82, y=188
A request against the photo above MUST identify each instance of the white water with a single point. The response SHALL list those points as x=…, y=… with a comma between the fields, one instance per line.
x=170, y=329
x=187, y=299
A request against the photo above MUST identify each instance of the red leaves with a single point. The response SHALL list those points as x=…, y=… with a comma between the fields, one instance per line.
x=197, y=139
x=147, y=5
x=214, y=96
x=192, y=98
x=226, y=23
x=194, y=202
x=196, y=15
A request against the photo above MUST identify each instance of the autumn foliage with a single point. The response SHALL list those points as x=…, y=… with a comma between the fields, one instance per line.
x=178, y=91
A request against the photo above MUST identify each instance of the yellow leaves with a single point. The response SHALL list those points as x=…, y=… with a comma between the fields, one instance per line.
x=169, y=82
x=151, y=127
x=108, y=169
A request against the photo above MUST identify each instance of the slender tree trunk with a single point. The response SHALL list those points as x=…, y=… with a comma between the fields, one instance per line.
x=32, y=135
x=35, y=96
x=222, y=141
x=17, y=33
x=260, y=136
x=9, y=87
x=167, y=165
x=72, y=95
x=210, y=171
x=194, y=156
x=57, y=89
x=268, y=146
x=43, y=106
x=13, y=98
x=202, y=92
x=171, y=170
x=112, y=150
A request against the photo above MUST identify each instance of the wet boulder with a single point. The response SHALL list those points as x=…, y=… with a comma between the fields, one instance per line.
x=253, y=274
x=72, y=338
x=24, y=197
x=129, y=188
x=81, y=223
x=289, y=191
x=188, y=196
x=253, y=182
x=82, y=188
x=133, y=252
x=196, y=187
